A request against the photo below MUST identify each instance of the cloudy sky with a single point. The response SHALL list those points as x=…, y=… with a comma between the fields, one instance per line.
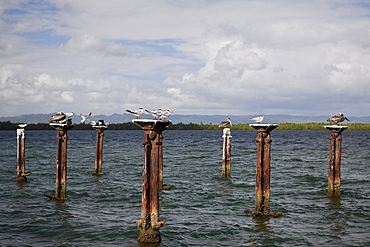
x=236, y=57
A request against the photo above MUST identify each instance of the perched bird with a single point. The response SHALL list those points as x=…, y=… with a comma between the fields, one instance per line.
x=84, y=119
x=337, y=119
x=258, y=119
x=166, y=113
x=225, y=123
x=22, y=125
x=155, y=113
x=68, y=121
x=69, y=114
x=100, y=123
x=57, y=117
x=137, y=113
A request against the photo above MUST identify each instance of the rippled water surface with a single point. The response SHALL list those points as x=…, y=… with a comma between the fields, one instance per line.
x=202, y=208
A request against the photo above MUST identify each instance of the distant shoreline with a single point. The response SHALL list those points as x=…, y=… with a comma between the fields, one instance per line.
x=190, y=126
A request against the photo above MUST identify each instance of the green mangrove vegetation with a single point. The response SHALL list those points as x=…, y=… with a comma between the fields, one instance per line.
x=7, y=125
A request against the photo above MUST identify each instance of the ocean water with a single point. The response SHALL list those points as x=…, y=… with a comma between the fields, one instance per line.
x=202, y=208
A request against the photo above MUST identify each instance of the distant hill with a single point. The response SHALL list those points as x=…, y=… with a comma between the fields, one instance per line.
x=206, y=119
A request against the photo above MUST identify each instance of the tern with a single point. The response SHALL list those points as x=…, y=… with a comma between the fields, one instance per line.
x=84, y=119
x=258, y=119
x=225, y=123
x=156, y=113
x=166, y=113
x=337, y=119
x=137, y=113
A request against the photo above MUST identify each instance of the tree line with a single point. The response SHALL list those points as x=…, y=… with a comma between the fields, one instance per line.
x=7, y=125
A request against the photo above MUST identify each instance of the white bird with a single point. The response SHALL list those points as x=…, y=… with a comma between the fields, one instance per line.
x=22, y=125
x=92, y=122
x=155, y=113
x=166, y=113
x=225, y=123
x=258, y=119
x=84, y=119
x=337, y=119
x=69, y=114
x=137, y=113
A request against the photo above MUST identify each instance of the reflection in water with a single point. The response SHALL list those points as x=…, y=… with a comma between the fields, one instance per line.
x=261, y=230
x=336, y=215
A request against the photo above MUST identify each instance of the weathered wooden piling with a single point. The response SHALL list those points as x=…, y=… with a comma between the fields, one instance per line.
x=226, y=153
x=21, y=157
x=263, y=168
x=335, y=159
x=149, y=221
x=61, y=162
x=98, y=168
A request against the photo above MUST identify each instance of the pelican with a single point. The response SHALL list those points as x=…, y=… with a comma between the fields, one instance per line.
x=155, y=113
x=337, y=119
x=166, y=113
x=57, y=117
x=225, y=123
x=137, y=113
x=85, y=118
x=258, y=119
x=22, y=125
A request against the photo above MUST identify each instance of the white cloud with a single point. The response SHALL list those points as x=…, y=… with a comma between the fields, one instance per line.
x=239, y=57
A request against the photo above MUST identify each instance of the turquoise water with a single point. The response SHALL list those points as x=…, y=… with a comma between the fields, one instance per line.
x=202, y=208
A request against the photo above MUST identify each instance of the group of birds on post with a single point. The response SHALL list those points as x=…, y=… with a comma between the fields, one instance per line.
x=61, y=118
x=157, y=114
x=334, y=119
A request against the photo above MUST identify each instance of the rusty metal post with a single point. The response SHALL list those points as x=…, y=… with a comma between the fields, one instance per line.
x=99, y=149
x=149, y=221
x=335, y=159
x=61, y=162
x=226, y=153
x=21, y=157
x=263, y=148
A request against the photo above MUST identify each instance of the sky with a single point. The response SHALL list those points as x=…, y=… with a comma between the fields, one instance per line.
x=224, y=57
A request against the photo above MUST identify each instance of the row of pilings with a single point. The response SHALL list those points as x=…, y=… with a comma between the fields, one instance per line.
x=152, y=173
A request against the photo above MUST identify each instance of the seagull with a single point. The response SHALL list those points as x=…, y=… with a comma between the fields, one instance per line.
x=166, y=113
x=155, y=113
x=92, y=122
x=258, y=119
x=69, y=114
x=85, y=118
x=225, y=123
x=22, y=125
x=337, y=119
x=57, y=117
x=137, y=113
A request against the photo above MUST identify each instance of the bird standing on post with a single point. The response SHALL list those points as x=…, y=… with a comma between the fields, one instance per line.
x=258, y=119
x=225, y=123
x=337, y=119
x=166, y=113
x=156, y=113
x=57, y=117
x=137, y=113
